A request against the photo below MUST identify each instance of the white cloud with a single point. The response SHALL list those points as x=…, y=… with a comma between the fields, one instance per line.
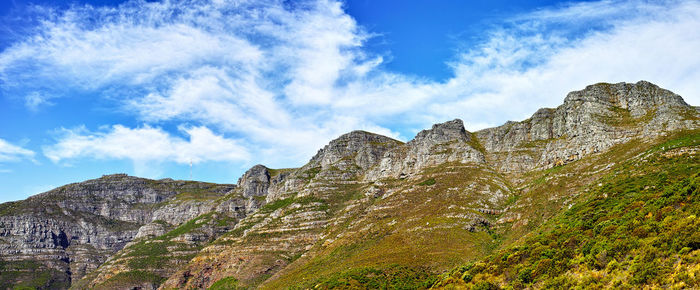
x=288, y=77
x=10, y=152
x=146, y=144
x=94, y=47
x=526, y=66
x=34, y=100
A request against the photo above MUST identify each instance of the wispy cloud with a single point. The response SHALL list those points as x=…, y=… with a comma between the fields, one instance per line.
x=537, y=58
x=287, y=77
x=12, y=153
x=35, y=100
x=146, y=144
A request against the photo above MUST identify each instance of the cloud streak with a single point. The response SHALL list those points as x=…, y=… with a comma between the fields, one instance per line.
x=289, y=77
x=14, y=153
x=145, y=144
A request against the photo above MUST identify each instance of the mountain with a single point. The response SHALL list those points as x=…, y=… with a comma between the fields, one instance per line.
x=54, y=238
x=525, y=204
x=635, y=227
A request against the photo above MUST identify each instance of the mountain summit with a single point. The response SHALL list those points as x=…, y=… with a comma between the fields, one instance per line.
x=591, y=120
x=367, y=208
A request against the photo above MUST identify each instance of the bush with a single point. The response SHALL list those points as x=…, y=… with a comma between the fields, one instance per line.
x=429, y=181
x=228, y=283
x=484, y=285
x=525, y=275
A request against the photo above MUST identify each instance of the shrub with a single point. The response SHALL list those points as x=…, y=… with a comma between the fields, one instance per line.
x=485, y=285
x=429, y=181
x=228, y=283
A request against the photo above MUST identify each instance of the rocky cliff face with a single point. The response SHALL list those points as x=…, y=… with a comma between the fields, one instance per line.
x=355, y=151
x=343, y=160
x=300, y=204
x=73, y=229
x=255, y=181
x=309, y=212
x=179, y=230
x=591, y=120
x=338, y=187
x=446, y=142
x=443, y=198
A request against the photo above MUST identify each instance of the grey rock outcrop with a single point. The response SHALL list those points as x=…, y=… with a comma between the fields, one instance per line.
x=344, y=159
x=591, y=120
x=445, y=142
x=153, y=229
x=178, y=212
x=75, y=228
x=442, y=133
x=357, y=150
x=255, y=181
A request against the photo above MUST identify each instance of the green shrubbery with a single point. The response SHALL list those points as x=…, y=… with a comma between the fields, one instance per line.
x=30, y=274
x=639, y=228
x=429, y=181
x=390, y=277
x=130, y=278
x=228, y=283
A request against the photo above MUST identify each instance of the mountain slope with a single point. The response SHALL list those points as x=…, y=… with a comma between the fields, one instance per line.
x=444, y=198
x=370, y=211
x=62, y=234
x=590, y=121
x=637, y=226
x=301, y=203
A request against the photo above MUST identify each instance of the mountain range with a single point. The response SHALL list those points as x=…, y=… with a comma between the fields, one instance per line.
x=601, y=191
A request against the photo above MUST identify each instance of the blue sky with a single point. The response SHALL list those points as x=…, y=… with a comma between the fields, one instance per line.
x=146, y=87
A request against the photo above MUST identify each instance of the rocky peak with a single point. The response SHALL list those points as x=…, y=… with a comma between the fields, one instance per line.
x=361, y=148
x=255, y=181
x=444, y=142
x=113, y=188
x=589, y=121
x=540, y=114
x=629, y=109
x=638, y=98
x=443, y=132
x=75, y=228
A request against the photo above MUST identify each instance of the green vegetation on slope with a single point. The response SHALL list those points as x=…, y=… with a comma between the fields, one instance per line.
x=429, y=181
x=390, y=277
x=638, y=226
x=126, y=280
x=620, y=117
x=228, y=283
x=419, y=228
x=31, y=275
x=146, y=259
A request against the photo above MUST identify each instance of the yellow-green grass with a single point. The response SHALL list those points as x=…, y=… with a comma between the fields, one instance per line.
x=417, y=228
x=634, y=227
